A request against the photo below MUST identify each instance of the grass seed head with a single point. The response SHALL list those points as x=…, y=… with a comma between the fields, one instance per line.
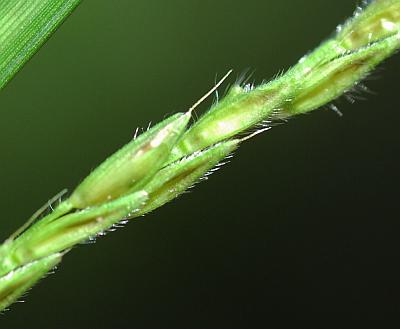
x=176, y=178
x=132, y=166
x=15, y=283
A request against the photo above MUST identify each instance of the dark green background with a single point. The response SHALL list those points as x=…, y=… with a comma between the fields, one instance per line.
x=302, y=224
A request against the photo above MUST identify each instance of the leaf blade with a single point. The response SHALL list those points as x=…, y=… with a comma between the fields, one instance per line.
x=24, y=27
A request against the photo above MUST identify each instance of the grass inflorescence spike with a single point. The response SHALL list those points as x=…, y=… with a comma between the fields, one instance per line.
x=169, y=158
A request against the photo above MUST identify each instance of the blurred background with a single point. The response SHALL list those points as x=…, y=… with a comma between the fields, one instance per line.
x=301, y=225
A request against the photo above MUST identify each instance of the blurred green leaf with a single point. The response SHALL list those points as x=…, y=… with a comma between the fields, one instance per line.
x=24, y=26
